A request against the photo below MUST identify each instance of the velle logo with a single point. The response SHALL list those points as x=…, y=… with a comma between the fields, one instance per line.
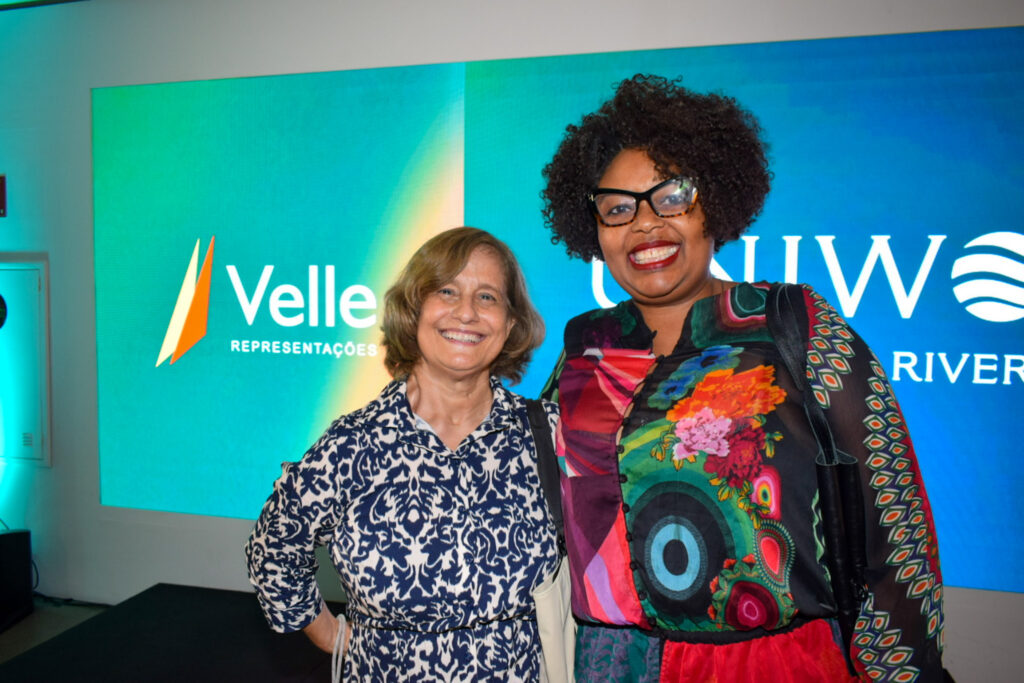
x=287, y=305
x=188, y=321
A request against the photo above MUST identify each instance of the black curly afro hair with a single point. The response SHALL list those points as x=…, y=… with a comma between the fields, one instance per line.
x=709, y=137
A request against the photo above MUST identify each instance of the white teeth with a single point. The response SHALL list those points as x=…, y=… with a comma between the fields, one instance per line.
x=466, y=337
x=651, y=255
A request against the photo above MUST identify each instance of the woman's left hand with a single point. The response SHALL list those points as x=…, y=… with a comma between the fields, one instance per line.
x=323, y=631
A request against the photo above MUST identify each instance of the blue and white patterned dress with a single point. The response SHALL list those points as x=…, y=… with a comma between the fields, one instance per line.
x=438, y=551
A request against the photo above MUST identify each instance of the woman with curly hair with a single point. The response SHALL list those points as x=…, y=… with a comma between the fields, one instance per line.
x=701, y=545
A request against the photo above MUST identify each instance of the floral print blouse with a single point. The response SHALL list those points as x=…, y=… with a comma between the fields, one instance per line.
x=692, y=508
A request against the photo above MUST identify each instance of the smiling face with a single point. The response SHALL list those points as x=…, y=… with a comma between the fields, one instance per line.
x=658, y=261
x=464, y=324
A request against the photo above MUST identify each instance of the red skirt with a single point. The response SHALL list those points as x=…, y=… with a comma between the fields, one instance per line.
x=808, y=654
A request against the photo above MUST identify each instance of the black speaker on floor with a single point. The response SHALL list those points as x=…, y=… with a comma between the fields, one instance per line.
x=15, y=576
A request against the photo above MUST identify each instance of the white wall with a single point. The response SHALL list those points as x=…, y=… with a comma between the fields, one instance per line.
x=50, y=57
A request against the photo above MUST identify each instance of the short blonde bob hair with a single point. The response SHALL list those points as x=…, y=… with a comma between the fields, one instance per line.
x=437, y=263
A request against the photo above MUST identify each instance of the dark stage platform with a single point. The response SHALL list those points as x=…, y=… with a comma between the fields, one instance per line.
x=174, y=633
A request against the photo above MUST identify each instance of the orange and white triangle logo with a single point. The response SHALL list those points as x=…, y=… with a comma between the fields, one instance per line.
x=188, y=322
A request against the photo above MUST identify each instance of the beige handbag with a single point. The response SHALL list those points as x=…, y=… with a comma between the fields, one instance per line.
x=552, y=597
x=556, y=625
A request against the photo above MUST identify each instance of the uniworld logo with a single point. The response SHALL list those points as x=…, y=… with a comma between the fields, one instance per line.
x=988, y=280
x=990, y=277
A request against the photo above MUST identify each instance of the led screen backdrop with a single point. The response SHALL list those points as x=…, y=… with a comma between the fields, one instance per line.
x=247, y=229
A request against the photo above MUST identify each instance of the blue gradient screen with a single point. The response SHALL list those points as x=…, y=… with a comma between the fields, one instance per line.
x=247, y=229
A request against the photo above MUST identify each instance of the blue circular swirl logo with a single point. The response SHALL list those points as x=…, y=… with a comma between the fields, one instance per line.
x=989, y=277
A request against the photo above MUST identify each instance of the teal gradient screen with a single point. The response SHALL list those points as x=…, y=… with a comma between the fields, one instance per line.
x=897, y=167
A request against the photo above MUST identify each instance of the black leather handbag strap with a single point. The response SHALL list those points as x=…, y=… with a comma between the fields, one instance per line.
x=547, y=465
x=839, y=492
x=787, y=320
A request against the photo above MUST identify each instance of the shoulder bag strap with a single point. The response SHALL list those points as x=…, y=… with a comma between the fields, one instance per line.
x=547, y=466
x=839, y=493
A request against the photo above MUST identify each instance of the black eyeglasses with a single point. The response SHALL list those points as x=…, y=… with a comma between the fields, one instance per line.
x=673, y=197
